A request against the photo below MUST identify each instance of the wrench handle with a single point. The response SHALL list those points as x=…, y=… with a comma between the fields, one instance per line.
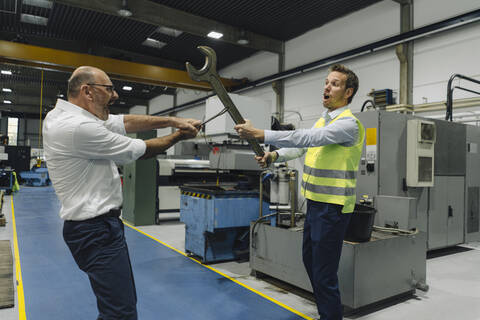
x=233, y=111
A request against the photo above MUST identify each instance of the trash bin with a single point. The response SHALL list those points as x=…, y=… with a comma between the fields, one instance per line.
x=361, y=224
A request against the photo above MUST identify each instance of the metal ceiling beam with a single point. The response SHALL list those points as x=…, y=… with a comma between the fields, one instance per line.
x=160, y=15
x=23, y=54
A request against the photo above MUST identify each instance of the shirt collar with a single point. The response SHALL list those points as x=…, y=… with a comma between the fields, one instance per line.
x=335, y=113
x=73, y=108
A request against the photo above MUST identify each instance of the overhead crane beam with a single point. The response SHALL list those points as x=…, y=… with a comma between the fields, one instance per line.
x=47, y=58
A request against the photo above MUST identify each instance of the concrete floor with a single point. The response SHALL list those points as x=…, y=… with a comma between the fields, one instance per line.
x=453, y=278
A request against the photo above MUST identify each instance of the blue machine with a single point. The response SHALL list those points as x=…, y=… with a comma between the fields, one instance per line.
x=217, y=221
x=37, y=177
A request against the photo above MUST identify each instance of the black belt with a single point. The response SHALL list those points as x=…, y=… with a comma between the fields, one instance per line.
x=113, y=213
x=116, y=212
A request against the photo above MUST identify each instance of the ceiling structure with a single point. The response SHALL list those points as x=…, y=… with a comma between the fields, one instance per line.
x=174, y=28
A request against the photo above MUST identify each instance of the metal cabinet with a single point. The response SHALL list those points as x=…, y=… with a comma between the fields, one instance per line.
x=139, y=188
x=446, y=212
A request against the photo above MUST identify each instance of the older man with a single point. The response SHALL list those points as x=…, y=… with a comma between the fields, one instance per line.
x=82, y=143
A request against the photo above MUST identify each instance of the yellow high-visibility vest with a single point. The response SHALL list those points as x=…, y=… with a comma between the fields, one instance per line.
x=330, y=171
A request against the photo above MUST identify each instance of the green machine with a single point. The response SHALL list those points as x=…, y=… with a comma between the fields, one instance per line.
x=140, y=188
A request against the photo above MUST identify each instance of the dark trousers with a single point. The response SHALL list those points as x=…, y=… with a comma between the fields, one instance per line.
x=325, y=227
x=99, y=249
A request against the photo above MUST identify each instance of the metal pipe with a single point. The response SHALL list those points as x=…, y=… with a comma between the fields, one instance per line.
x=449, y=111
x=260, y=196
x=293, y=196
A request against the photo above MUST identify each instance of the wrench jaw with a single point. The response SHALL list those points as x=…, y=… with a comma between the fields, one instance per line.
x=208, y=68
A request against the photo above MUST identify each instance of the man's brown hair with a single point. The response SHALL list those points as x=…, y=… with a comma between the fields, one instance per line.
x=352, y=79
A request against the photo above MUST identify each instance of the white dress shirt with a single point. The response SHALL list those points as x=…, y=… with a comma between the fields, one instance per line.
x=295, y=143
x=81, y=151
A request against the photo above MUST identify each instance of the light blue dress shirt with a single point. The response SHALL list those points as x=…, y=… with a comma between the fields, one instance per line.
x=295, y=143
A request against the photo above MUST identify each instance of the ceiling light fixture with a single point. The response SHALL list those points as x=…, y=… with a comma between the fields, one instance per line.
x=169, y=31
x=242, y=38
x=7, y=101
x=6, y=90
x=32, y=19
x=215, y=35
x=47, y=4
x=127, y=88
x=150, y=42
x=124, y=11
x=6, y=72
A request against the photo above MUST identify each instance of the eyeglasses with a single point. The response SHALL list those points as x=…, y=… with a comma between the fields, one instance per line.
x=109, y=87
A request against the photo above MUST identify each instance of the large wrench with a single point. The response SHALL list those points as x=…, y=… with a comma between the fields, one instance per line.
x=209, y=73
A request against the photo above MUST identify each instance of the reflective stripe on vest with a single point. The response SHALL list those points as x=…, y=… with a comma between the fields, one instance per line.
x=335, y=191
x=325, y=173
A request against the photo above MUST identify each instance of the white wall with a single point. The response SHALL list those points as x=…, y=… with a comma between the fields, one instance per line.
x=138, y=110
x=160, y=103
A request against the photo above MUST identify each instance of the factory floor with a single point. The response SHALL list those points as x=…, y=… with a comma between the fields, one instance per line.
x=173, y=286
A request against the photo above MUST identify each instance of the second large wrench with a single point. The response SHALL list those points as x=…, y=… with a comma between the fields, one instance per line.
x=209, y=73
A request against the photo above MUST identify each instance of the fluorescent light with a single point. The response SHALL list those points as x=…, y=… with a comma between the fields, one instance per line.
x=6, y=90
x=30, y=18
x=215, y=35
x=169, y=31
x=7, y=72
x=149, y=42
x=124, y=12
x=122, y=102
x=39, y=3
x=127, y=88
x=7, y=101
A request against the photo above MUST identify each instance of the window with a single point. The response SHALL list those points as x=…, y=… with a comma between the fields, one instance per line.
x=12, y=131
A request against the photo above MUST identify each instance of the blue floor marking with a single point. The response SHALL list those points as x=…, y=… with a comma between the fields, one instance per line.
x=169, y=285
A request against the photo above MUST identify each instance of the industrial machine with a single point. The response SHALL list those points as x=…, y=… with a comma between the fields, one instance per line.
x=219, y=196
x=422, y=173
x=217, y=221
x=37, y=177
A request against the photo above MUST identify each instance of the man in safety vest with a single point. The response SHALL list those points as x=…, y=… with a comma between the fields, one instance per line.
x=333, y=148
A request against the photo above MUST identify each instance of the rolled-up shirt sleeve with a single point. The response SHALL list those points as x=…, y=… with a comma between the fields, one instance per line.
x=287, y=154
x=93, y=140
x=115, y=123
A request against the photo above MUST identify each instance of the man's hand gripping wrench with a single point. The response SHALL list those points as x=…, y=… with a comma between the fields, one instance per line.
x=209, y=73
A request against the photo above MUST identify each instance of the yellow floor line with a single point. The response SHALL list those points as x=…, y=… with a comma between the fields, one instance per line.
x=224, y=275
x=20, y=295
